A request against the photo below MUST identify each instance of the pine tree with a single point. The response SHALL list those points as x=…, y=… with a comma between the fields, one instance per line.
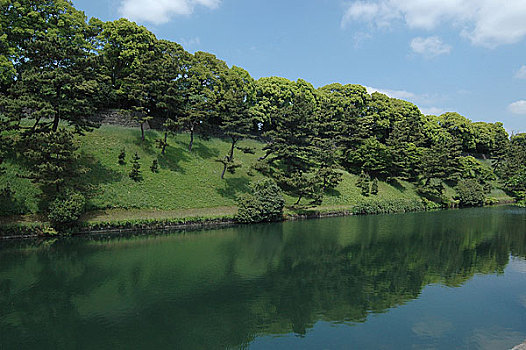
x=363, y=183
x=237, y=100
x=57, y=78
x=122, y=157
x=135, y=173
x=374, y=187
x=155, y=166
x=51, y=160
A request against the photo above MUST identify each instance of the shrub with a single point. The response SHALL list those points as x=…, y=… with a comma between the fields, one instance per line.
x=374, y=187
x=263, y=204
x=470, y=193
x=363, y=183
x=155, y=166
x=135, y=173
x=376, y=206
x=66, y=210
x=122, y=157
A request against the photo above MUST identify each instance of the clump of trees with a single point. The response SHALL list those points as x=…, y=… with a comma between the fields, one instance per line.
x=58, y=68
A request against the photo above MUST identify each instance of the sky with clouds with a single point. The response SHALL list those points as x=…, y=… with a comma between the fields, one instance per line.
x=467, y=56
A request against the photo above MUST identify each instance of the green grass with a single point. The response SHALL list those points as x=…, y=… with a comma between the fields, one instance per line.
x=188, y=184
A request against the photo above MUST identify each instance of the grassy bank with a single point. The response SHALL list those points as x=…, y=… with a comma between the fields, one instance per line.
x=187, y=187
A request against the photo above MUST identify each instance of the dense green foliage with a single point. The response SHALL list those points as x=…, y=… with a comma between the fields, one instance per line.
x=66, y=209
x=58, y=69
x=264, y=203
x=470, y=193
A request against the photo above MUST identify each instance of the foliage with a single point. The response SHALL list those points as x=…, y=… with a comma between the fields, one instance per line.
x=374, y=187
x=264, y=203
x=375, y=206
x=512, y=166
x=155, y=166
x=51, y=160
x=122, y=157
x=364, y=183
x=135, y=173
x=56, y=78
x=470, y=193
x=66, y=209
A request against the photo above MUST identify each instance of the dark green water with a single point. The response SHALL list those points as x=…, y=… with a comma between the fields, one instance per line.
x=441, y=280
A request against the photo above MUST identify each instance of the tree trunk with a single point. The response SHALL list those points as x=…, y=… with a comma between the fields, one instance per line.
x=191, y=140
x=231, y=154
x=224, y=169
x=299, y=199
x=164, y=144
x=142, y=131
x=55, y=123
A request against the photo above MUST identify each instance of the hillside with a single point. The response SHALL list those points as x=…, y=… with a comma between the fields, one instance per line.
x=186, y=181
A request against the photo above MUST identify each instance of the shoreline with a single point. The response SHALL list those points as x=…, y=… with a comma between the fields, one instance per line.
x=32, y=230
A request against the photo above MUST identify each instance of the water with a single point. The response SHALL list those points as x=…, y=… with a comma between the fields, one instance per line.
x=440, y=280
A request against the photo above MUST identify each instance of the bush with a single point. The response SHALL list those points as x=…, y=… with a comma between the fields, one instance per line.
x=66, y=210
x=264, y=204
x=376, y=206
x=135, y=173
x=470, y=193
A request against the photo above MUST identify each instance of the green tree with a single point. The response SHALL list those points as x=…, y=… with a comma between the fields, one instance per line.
x=364, y=183
x=201, y=93
x=124, y=47
x=236, y=104
x=264, y=203
x=374, y=187
x=135, y=173
x=512, y=168
x=470, y=193
x=290, y=150
x=51, y=160
x=56, y=72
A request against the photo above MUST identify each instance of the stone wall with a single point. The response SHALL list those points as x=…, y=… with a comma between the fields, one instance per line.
x=117, y=117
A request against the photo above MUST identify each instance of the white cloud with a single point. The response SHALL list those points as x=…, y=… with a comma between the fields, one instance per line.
x=161, y=11
x=430, y=47
x=521, y=73
x=400, y=94
x=518, y=107
x=432, y=110
x=488, y=23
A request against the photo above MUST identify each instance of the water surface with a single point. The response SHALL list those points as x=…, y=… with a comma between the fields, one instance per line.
x=440, y=280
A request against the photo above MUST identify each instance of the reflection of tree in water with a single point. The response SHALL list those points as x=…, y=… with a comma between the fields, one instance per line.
x=223, y=289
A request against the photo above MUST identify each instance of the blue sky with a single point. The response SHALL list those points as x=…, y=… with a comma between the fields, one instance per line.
x=467, y=56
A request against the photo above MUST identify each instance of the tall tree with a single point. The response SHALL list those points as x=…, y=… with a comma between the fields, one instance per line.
x=237, y=101
x=201, y=93
x=56, y=77
x=292, y=154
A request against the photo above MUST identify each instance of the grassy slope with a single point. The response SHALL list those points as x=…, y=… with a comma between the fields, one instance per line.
x=186, y=180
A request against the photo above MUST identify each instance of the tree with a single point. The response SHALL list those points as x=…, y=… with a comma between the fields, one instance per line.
x=155, y=166
x=364, y=183
x=135, y=173
x=290, y=151
x=273, y=94
x=237, y=101
x=169, y=88
x=512, y=168
x=122, y=157
x=470, y=193
x=201, y=92
x=51, y=161
x=374, y=187
x=264, y=203
x=124, y=47
x=56, y=73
